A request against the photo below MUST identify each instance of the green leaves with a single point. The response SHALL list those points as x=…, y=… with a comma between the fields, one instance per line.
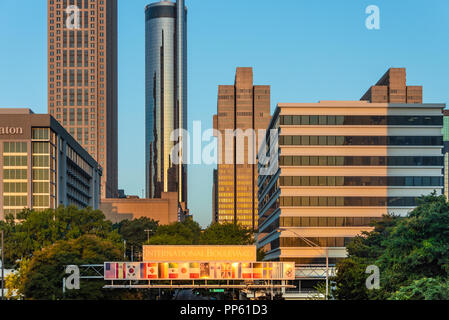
x=411, y=252
x=190, y=233
x=37, y=230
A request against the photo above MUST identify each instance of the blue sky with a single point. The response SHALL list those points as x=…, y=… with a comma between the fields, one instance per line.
x=306, y=50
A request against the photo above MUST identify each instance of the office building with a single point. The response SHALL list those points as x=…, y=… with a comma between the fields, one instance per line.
x=42, y=166
x=342, y=165
x=446, y=151
x=215, y=197
x=164, y=210
x=241, y=107
x=166, y=98
x=82, y=78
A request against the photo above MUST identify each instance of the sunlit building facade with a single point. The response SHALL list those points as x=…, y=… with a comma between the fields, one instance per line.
x=342, y=165
x=42, y=166
x=241, y=107
x=82, y=78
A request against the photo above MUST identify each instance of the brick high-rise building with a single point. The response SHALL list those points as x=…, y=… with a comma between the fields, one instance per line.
x=82, y=78
x=241, y=106
x=392, y=88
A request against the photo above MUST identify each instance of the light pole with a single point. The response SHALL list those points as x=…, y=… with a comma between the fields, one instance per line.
x=313, y=244
x=148, y=235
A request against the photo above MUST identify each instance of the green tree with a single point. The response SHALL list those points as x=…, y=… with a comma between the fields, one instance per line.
x=406, y=250
x=423, y=289
x=179, y=233
x=46, y=269
x=38, y=229
x=227, y=234
x=135, y=233
x=15, y=282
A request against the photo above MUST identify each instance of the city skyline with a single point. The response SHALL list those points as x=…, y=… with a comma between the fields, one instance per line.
x=342, y=75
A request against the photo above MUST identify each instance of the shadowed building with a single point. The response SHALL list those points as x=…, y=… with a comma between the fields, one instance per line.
x=446, y=152
x=82, y=78
x=241, y=107
x=42, y=166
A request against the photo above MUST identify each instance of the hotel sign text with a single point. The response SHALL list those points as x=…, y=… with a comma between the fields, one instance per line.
x=10, y=131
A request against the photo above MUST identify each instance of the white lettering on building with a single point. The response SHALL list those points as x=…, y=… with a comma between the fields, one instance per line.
x=10, y=131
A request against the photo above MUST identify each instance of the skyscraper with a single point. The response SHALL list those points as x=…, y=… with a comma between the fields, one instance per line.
x=82, y=78
x=240, y=107
x=166, y=96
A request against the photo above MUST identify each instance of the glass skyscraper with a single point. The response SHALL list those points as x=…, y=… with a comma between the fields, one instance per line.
x=166, y=97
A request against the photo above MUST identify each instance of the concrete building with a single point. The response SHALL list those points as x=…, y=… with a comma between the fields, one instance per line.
x=446, y=151
x=343, y=164
x=165, y=210
x=241, y=107
x=82, y=78
x=42, y=166
x=166, y=98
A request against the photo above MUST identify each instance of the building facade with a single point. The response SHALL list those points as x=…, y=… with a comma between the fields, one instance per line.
x=341, y=165
x=82, y=78
x=243, y=110
x=164, y=210
x=42, y=166
x=446, y=151
x=166, y=98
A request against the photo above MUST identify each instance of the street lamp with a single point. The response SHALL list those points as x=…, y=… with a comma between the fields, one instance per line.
x=148, y=235
x=314, y=245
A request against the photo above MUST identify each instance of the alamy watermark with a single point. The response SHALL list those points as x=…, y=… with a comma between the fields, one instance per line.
x=72, y=282
x=73, y=20
x=373, y=281
x=212, y=147
x=373, y=20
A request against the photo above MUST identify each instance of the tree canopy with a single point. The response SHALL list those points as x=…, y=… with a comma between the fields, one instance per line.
x=46, y=269
x=38, y=229
x=190, y=233
x=412, y=253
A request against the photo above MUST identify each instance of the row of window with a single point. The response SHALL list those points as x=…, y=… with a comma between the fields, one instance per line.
x=362, y=120
x=41, y=134
x=15, y=161
x=319, y=222
x=41, y=201
x=359, y=161
x=347, y=201
x=362, y=181
x=15, y=201
x=327, y=221
x=361, y=140
x=41, y=148
x=331, y=242
x=15, y=174
x=15, y=147
x=15, y=187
